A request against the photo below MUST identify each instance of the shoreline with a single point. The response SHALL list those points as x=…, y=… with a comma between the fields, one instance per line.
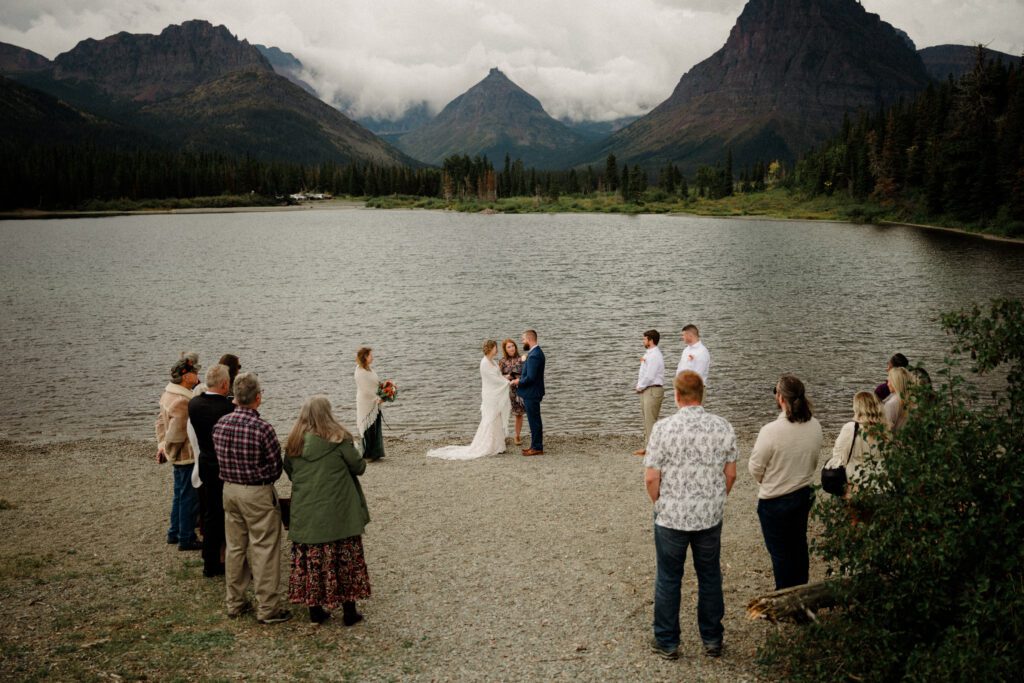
x=340, y=204
x=500, y=568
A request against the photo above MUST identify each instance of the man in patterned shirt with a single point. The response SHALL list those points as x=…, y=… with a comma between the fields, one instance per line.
x=690, y=469
x=249, y=458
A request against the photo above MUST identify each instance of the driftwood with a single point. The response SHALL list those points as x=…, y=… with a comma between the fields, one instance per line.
x=797, y=603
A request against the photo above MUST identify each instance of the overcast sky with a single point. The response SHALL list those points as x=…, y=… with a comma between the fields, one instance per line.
x=584, y=59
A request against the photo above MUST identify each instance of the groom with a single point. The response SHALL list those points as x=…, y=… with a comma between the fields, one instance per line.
x=530, y=387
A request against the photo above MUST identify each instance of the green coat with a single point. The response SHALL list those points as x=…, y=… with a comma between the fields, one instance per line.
x=327, y=501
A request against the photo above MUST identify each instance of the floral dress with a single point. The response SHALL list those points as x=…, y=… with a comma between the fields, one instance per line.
x=512, y=368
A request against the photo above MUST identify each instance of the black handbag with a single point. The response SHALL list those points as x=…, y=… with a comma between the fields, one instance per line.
x=833, y=479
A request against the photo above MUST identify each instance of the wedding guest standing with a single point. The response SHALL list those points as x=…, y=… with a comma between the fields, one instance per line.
x=690, y=469
x=203, y=412
x=784, y=461
x=898, y=360
x=233, y=365
x=511, y=366
x=695, y=356
x=895, y=404
x=249, y=458
x=859, y=439
x=328, y=515
x=368, y=417
x=650, y=384
x=173, y=446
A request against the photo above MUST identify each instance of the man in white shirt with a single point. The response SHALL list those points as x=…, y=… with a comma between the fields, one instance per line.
x=650, y=384
x=695, y=356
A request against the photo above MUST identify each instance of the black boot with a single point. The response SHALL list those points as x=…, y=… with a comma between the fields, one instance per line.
x=350, y=616
x=318, y=614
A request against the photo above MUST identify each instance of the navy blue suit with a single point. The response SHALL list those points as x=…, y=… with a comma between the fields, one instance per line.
x=531, y=390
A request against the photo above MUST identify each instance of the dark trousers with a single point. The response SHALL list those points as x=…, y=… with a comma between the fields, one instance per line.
x=212, y=495
x=784, y=525
x=536, y=425
x=670, y=546
x=373, y=440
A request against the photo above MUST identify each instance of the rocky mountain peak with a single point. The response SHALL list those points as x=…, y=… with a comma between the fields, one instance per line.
x=147, y=68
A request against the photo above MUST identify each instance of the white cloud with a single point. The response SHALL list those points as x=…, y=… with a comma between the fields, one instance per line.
x=588, y=59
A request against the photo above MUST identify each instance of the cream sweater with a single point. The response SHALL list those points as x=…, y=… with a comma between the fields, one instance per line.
x=785, y=456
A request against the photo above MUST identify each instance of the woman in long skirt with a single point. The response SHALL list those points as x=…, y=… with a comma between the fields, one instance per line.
x=368, y=417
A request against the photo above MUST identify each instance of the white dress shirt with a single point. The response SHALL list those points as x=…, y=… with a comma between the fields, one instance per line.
x=697, y=358
x=652, y=369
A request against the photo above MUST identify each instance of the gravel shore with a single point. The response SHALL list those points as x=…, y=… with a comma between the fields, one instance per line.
x=503, y=568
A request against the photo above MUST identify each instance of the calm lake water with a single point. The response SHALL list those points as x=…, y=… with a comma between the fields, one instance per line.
x=95, y=311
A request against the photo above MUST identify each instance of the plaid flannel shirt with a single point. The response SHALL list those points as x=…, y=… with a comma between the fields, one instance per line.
x=247, y=448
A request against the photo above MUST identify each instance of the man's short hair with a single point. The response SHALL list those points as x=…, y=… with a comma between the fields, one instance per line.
x=216, y=375
x=692, y=328
x=531, y=334
x=247, y=388
x=653, y=336
x=689, y=385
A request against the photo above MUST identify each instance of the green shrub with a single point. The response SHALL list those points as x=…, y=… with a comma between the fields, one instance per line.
x=932, y=540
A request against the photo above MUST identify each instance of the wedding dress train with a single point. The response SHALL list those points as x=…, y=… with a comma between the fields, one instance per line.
x=495, y=408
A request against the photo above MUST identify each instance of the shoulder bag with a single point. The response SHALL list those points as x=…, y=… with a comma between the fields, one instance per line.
x=833, y=479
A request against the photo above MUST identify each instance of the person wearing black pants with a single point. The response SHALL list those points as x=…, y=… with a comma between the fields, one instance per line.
x=784, y=461
x=203, y=412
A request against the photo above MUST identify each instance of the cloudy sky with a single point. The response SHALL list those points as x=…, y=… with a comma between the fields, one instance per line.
x=584, y=59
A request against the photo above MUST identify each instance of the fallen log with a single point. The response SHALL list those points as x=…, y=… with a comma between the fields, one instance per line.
x=797, y=603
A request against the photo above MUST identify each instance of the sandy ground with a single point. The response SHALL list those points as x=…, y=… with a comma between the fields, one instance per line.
x=504, y=568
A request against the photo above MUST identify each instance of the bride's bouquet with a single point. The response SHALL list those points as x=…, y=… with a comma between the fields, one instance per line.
x=387, y=391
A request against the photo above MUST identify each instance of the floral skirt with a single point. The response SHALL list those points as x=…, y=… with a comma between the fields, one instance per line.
x=328, y=574
x=518, y=407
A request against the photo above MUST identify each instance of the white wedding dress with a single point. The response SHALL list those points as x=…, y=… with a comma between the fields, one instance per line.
x=495, y=408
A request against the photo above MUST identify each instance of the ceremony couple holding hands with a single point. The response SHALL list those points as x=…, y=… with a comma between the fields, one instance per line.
x=519, y=384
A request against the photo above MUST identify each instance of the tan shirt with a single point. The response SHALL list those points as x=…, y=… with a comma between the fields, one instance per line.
x=785, y=456
x=172, y=425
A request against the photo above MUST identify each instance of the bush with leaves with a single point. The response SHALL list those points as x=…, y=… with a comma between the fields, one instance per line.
x=931, y=541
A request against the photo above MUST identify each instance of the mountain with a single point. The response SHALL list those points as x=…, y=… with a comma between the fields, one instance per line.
x=263, y=114
x=14, y=59
x=597, y=130
x=782, y=82
x=147, y=68
x=196, y=86
x=287, y=65
x=494, y=118
x=943, y=61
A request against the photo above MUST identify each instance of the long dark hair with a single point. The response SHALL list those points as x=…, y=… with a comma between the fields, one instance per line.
x=794, y=399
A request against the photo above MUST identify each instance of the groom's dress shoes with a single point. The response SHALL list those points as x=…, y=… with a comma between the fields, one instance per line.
x=530, y=451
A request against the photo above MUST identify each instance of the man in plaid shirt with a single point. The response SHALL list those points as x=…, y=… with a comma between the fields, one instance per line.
x=249, y=458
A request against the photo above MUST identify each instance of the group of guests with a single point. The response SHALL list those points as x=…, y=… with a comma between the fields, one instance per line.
x=690, y=468
x=216, y=430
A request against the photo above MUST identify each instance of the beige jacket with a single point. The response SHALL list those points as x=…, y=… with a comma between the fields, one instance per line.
x=785, y=456
x=172, y=425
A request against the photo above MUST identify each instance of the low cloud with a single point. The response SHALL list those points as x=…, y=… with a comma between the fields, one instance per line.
x=583, y=60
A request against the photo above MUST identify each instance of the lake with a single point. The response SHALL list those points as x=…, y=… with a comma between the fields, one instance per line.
x=95, y=311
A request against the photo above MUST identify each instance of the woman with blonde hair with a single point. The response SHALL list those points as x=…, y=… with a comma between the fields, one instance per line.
x=328, y=515
x=859, y=438
x=495, y=406
x=896, y=408
x=368, y=403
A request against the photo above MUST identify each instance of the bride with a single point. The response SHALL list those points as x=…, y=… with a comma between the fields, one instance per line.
x=495, y=407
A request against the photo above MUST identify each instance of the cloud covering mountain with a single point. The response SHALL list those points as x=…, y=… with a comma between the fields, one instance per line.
x=582, y=59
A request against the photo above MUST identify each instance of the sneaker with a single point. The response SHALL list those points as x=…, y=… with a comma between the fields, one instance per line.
x=172, y=540
x=191, y=545
x=664, y=652
x=277, y=617
x=713, y=650
x=244, y=609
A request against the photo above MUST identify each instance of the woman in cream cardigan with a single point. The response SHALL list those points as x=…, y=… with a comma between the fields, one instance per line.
x=858, y=439
x=368, y=418
x=784, y=462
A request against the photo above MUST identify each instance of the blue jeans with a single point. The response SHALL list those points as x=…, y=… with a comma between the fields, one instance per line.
x=183, y=509
x=784, y=525
x=536, y=425
x=670, y=546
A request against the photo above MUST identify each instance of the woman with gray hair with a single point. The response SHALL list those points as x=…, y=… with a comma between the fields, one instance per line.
x=784, y=462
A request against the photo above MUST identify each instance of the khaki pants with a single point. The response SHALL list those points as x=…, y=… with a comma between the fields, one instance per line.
x=252, y=531
x=650, y=406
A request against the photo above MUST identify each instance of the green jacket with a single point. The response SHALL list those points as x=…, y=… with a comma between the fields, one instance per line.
x=327, y=501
